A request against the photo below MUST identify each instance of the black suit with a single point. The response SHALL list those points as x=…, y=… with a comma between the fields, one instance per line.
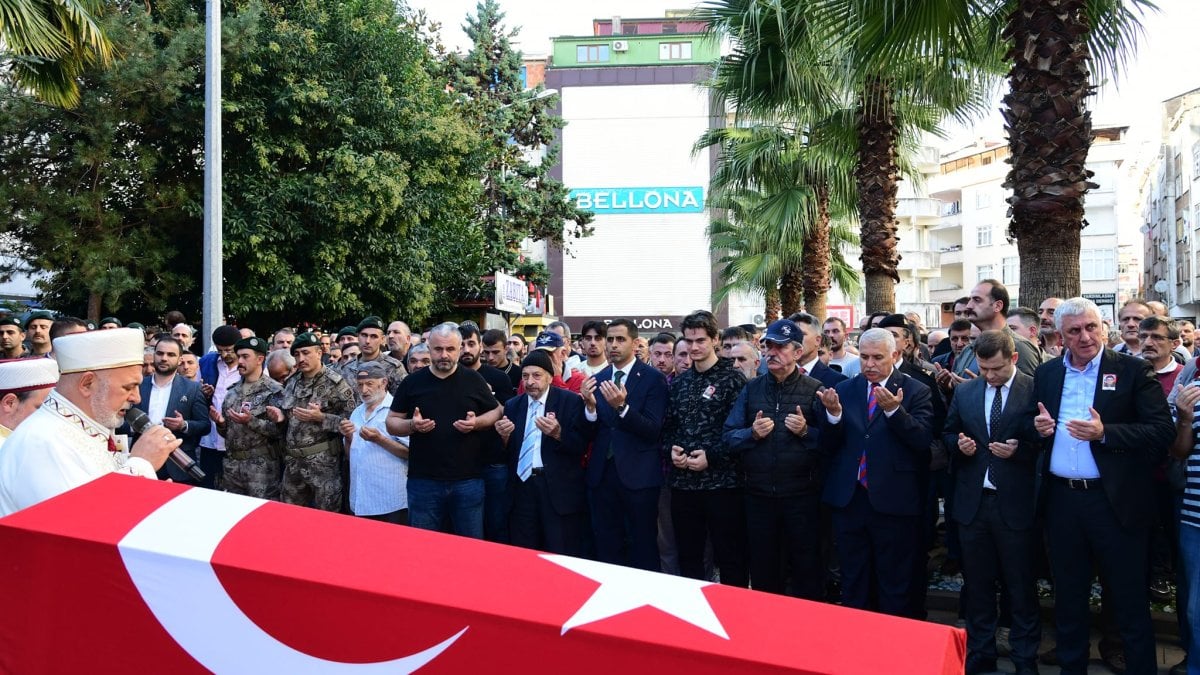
x=1108, y=524
x=996, y=524
x=549, y=506
x=828, y=376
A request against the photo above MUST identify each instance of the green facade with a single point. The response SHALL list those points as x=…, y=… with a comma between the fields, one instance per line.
x=644, y=50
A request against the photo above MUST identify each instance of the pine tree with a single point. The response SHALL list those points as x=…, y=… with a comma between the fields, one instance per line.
x=519, y=198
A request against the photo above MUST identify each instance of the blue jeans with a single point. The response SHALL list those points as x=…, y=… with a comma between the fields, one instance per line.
x=496, y=503
x=432, y=502
x=1189, y=550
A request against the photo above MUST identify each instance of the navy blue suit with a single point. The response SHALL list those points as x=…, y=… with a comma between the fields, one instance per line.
x=624, y=487
x=828, y=376
x=548, y=506
x=876, y=528
x=186, y=399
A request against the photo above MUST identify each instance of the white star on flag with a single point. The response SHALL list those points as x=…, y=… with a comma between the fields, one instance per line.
x=623, y=589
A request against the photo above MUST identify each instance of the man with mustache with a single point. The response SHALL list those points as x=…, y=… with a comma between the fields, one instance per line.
x=253, y=442
x=987, y=307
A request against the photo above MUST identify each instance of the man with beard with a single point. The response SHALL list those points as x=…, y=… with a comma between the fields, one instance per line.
x=746, y=359
x=440, y=408
x=495, y=354
x=218, y=372
x=370, y=345
x=378, y=462
x=840, y=357
x=12, y=338
x=37, y=330
x=518, y=345
x=398, y=340
x=176, y=403
x=69, y=440
x=315, y=400
x=591, y=341
x=987, y=307
x=1048, y=336
x=252, y=440
x=495, y=474
x=1187, y=336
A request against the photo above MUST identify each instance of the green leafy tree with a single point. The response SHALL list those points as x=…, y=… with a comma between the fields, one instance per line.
x=349, y=185
x=519, y=198
x=49, y=44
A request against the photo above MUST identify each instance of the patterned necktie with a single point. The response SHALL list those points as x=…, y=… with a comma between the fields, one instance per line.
x=525, y=461
x=618, y=376
x=862, y=459
x=994, y=415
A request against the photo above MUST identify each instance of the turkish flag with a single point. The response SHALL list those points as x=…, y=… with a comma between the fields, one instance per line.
x=126, y=575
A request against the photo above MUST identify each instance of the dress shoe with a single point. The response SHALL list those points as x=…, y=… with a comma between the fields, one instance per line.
x=1003, y=647
x=978, y=666
x=1049, y=657
x=1115, y=661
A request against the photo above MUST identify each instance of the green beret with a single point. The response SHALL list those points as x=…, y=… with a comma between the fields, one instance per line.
x=348, y=330
x=134, y=324
x=370, y=322
x=305, y=340
x=38, y=314
x=257, y=344
x=111, y=319
x=10, y=320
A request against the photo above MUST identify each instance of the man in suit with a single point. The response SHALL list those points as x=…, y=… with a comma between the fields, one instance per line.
x=1107, y=425
x=993, y=503
x=543, y=434
x=176, y=403
x=628, y=399
x=808, y=360
x=876, y=427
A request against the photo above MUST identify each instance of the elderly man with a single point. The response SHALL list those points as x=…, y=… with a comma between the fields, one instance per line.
x=68, y=441
x=252, y=441
x=399, y=340
x=746, y=359
x=24, y=385
x=282, y=340
x=280, y=365
x=418, y=358
x=378, y=461
x=315, y=400
x=185, y=334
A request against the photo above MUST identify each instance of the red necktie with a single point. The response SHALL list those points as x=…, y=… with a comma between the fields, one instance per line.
x=803, y=371
x=862, y=459
x=112, y=444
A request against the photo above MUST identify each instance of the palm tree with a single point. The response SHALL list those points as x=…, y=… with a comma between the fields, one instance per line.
x=48, y=43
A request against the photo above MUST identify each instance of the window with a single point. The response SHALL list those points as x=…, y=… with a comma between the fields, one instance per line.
x=1011, y=271
x=983, y=236
x=674, y=51
x=983, y=199
x=985, y=272
x=591, y=53
x=1097, y=264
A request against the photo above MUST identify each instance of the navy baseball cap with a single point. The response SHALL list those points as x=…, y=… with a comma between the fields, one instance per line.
x=548, y=339
x=783, y=332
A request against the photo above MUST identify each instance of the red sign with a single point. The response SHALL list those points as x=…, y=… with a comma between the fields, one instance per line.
x=126, y=575
x=843, y=312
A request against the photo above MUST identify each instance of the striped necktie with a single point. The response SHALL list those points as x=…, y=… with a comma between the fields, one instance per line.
x=525, y=460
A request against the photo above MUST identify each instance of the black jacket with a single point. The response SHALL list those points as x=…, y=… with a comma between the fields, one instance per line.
x=782, y=464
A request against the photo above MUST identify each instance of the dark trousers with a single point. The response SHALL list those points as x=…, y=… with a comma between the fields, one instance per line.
x=212, y=463
x=621, y=514
x=878, y=546
x=1082, y=528
x=992, y=552
x=534, y=523
x=785, y=533
x=395, y=517
x=496, y=503
x=699, y=515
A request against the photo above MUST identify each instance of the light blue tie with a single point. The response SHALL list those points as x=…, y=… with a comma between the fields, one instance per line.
x=525, y=461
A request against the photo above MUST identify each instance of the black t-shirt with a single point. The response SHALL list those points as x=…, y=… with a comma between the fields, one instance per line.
x=445, y=453
x=513, y=371
x=502, y=389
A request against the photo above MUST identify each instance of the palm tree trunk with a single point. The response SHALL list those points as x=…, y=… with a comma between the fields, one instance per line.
x=876, y=175
x=1049, y=137
x=816, y=260
x=791, y=290
x=771, y=305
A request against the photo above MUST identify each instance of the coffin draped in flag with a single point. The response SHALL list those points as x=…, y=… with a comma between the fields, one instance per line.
x=129, y=575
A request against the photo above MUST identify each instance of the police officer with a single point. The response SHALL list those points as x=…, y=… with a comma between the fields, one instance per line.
x=253, y=442
x=371, y=346
x=315, y=401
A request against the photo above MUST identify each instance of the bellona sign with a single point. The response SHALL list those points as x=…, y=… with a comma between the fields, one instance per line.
x=616, y=201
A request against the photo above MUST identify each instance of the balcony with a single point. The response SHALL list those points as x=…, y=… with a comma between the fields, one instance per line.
x=923, y=210
x=924, y=264
x=952, y=255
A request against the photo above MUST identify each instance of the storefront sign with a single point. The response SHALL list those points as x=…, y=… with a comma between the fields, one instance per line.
x=618, y=201
x=512, y=294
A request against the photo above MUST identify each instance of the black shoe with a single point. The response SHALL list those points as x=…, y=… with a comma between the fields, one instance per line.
x=1049, y=657
x=1161, y=591
x=1115, y=661
x=977, y=666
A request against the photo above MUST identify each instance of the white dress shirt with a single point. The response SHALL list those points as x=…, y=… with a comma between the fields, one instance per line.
x=156, y=407
x=989, y=394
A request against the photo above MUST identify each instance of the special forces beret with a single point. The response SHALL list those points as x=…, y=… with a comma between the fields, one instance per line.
x=370, y=322
x=305, y=340
x=256, y=343
x=110, y=319
x=38, y=314
x=348, y=330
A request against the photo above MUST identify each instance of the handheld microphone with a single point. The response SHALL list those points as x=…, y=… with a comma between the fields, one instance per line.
x=140, y=421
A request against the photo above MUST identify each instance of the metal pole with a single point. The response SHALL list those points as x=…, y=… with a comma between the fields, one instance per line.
x=214, y=313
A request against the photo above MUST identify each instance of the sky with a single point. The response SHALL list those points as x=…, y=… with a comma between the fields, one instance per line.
x=1167, y=62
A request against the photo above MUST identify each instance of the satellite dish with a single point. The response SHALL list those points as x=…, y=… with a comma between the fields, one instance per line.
x=1160, y=286
x=1145, y=229
x=1162, y=246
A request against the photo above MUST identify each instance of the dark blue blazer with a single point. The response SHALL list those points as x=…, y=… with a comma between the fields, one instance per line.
x=828, y=376
x=562, y=458
x=897, y=446
x=634, y=437
x=187, y=400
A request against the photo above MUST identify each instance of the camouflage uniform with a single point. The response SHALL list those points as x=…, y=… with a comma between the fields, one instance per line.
x=312, y=450
x=391, y=365
x=252, y=450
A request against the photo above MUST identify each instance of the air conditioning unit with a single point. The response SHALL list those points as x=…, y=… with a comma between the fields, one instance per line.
x=621, y=46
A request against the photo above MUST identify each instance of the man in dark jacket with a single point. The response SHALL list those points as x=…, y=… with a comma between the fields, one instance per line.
x=705, y=480
x=773, y=425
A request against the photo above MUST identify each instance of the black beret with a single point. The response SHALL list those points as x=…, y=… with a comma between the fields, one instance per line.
x=226, y=335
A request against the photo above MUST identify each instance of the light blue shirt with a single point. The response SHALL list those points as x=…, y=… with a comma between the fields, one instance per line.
x=532, y=431
x=378, y=479
x=1071, y=457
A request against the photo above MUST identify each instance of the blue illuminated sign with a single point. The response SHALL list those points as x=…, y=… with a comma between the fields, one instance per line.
x=616, y=201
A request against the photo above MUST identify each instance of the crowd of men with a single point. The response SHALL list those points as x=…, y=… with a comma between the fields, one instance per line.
x=790, y=460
